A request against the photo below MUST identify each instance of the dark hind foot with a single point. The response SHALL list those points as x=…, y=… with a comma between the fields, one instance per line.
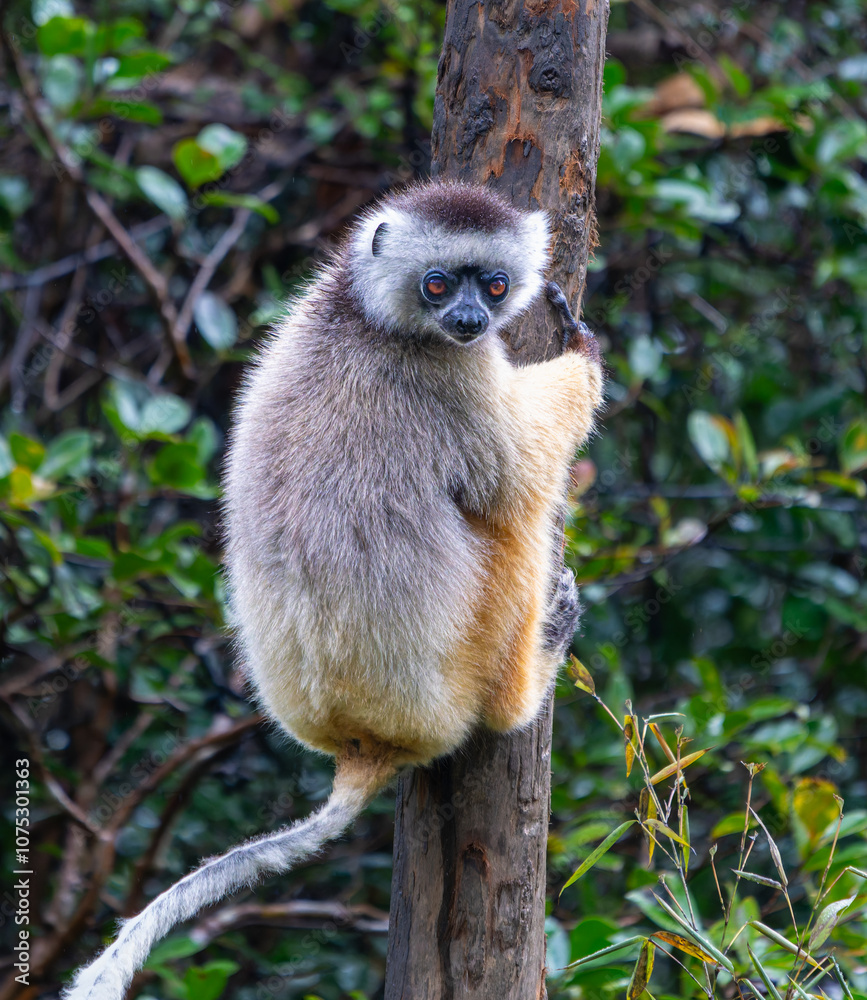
x=563, y=616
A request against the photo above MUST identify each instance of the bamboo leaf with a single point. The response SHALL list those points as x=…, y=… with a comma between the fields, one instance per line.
x=642, y=971
x=720, y=958
x=647, y=810
x=827, y=921
x=841, y=979
x=660, y=739
x=581, y=676
x=606, y=951
x=775, y=851
x=671, y=769
x=684, y=944
x=773, y=992
x=784, y=943
x=660, y=827
x=761, y=879
x=605, y=846
x=798, y=991
x=628, y=742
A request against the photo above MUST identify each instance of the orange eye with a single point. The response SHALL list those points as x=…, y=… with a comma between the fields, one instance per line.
x=436, y=286
x=497, y=287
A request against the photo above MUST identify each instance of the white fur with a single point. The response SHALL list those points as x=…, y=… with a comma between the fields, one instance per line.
x=109, y=976
x=388, y=283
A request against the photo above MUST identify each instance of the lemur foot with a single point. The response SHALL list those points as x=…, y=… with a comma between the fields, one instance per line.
x=576, y=336
x=563, y=615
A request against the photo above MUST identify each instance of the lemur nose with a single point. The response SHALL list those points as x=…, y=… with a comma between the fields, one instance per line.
x=468, y=321
x=470, y=324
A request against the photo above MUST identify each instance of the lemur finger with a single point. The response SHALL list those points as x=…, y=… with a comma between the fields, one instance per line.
x=561, y=304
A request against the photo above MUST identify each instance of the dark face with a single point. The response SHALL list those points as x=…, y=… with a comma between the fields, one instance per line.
x=464, y=301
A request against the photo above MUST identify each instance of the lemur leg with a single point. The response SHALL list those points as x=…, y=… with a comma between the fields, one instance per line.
x=553, y=405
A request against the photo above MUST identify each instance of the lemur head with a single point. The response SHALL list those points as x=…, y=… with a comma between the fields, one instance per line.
x=447, y=260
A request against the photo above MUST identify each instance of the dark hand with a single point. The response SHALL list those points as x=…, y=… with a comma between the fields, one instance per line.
x=577, y=336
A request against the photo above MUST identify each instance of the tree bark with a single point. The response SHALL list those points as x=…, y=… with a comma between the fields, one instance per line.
x=518, y=108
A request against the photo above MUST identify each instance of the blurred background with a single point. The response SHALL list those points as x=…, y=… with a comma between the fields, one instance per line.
x=169, y=173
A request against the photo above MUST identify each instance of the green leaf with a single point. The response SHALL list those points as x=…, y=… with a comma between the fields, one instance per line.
x=203, y=435
x=708, y=438
x=114, y=35
x=173, y=948
x=134, y=111
x=783, y=942
x=216, y=321
x=659, y=827
x=135, y=65
x=773, y=992
x=166, y=414
x=15, y=194
x=67, y=455
x=761, y=879
x=197, y=166
x=215, y=150
x=62, y=77
x=736, y=76
x=225, y=144
x=645, y=356
x=224, y=198
x=696, y=201
x=132, y=565
x=176, y=466
x=64, y=36
x=827, y=921
x=26, y=451
x=207, y=982
x=163, y=191
x=603, y=848
x=853, y=447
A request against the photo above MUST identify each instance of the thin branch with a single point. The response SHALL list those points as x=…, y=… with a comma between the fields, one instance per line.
x=136, y=256
x=90, y=255
x=57, y=791
x=210, y=264
x=293, y=913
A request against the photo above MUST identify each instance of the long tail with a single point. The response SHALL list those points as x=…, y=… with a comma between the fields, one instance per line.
x=356, y=781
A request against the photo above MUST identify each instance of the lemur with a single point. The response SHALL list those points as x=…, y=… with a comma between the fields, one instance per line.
x=392, y=493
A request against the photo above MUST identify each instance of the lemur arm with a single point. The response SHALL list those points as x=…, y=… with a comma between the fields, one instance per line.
x=553, y=405
x=551, y=408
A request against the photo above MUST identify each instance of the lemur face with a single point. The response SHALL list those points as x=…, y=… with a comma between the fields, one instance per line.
x=464, y=301
x=447, y=262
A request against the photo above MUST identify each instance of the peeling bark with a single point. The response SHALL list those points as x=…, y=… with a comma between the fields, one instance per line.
x=518, y=106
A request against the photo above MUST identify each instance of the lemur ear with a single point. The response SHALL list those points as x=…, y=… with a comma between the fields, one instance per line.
x=378, y=237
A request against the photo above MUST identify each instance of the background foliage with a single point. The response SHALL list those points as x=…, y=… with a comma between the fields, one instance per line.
x=169, y=172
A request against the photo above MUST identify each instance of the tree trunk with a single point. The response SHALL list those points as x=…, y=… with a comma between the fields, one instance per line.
x=518, y=107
